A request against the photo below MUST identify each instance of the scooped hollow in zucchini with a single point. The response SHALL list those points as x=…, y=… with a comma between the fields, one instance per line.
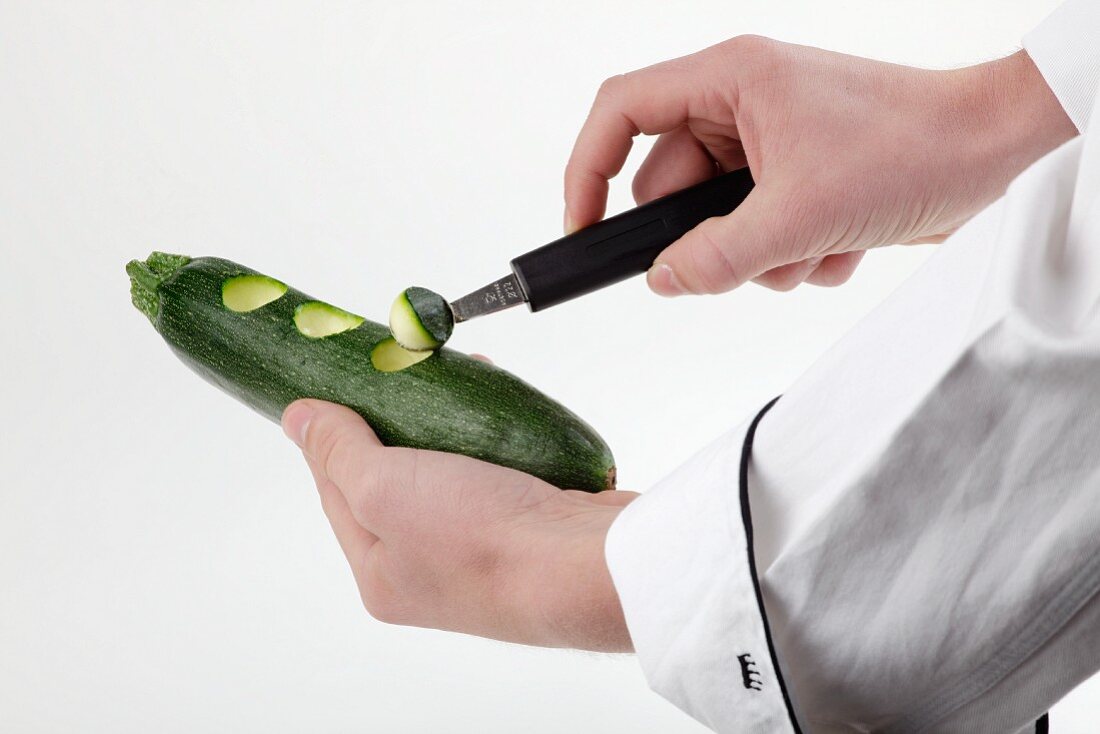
x=318, y=320
x=248, y=292
x=446, y=401
x=389, y=356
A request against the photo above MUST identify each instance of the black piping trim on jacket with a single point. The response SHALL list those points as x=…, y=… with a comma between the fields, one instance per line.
x=746, y=518
x=1042, y=725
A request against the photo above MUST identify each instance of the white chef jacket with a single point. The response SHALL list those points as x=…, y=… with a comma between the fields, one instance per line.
x=909, y=539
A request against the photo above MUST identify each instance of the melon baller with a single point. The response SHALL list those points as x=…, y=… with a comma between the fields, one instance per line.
x=592, y=258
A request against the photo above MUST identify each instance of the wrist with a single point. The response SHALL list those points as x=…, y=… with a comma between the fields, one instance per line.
x=566, y=588
x=1008, y=114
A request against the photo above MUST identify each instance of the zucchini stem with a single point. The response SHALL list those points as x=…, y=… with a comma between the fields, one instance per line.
x=142, y=276
x=146, y=277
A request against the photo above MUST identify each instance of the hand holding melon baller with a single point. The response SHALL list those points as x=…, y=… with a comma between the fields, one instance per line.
x=592, y=258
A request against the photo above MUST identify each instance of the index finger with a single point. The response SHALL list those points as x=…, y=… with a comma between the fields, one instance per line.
x=653, y=100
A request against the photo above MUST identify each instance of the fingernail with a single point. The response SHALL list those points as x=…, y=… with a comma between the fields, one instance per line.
x=567, y=223
x=296, y=422
x=663, y=281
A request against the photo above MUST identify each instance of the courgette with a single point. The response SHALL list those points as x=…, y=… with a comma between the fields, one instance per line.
x=421, y=319
x=267, y=344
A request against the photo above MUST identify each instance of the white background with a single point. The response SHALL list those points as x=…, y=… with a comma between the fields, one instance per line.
x=164, y=564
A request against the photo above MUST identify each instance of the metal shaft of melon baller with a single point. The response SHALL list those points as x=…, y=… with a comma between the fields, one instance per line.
x=606, y=252
x=497, y=296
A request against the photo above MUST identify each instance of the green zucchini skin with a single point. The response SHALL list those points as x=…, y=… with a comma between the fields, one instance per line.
x=448, y=402
x=433, y=311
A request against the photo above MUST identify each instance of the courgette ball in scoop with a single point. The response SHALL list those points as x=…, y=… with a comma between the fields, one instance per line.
x=421, y=320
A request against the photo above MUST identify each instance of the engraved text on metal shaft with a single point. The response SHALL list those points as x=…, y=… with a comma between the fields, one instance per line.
x=496, y=296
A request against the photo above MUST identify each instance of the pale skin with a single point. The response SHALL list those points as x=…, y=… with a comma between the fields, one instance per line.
x=848, y=154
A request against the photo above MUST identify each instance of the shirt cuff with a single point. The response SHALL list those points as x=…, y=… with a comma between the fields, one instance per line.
x=681, y=560
x=1066, y=49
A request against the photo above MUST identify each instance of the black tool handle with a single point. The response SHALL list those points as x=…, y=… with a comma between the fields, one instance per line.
x=625, y=244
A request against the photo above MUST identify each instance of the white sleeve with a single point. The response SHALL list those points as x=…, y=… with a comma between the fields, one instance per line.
x=681, y=561
x=927, y=524
x=1066, y=48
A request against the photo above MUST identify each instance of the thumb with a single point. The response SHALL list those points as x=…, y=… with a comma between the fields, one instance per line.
x=721, y=253
x=336, y=441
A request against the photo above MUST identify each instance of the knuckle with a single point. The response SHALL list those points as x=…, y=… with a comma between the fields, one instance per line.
x=837, y=272
x=570, y=172
x=719, y=271
x=784, y=282
x=323, y=440
x=610, y=88
x=577, y=170
x=750, y=45
x=583, y=171
x=755, y=58
x=334, y=452
x=833, y=279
